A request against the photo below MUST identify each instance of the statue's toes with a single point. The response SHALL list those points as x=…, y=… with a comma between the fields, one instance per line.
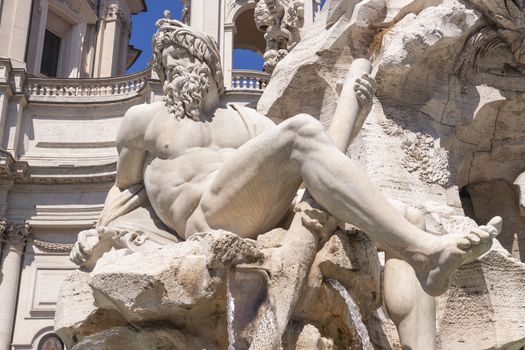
x=496, y=223
x=485, y=233
x=474, y=237
x=464, y=244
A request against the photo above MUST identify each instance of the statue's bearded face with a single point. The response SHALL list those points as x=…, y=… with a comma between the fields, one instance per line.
x=187, y=82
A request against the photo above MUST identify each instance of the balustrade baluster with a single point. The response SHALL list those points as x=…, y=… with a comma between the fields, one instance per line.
x=93, y=88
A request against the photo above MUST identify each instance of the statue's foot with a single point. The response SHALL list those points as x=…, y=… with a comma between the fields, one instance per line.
x=228, y=249
x=449, y=252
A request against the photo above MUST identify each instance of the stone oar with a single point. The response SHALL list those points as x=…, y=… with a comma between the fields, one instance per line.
x=292, y=262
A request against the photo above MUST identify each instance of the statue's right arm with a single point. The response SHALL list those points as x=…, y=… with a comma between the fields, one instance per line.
x=131, y=154
x=93, y=243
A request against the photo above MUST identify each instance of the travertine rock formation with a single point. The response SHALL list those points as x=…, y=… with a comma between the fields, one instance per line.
x=484, y=306
x=445, y=134
x=188, y=287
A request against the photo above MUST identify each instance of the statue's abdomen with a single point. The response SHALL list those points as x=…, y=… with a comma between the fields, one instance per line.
x=175, y=186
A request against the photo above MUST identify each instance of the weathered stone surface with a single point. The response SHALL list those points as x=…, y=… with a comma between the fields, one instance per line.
x=520, y=184
x=76, y=315
x=351, y=258
x=498, y=197
x=185, y=285
x=310, y=339
x=142, y=286
x=320, y=61
x=447, y=116
x=130, y=338
x=485, y=307
x=383, y=332
x=439, y=80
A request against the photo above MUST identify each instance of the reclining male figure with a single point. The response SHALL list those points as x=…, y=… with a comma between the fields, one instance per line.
x=206, y=167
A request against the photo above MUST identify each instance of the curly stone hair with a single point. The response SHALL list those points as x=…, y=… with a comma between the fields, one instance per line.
x=200, y=45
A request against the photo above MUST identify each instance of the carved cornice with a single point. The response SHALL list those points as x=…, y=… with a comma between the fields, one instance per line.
x=9, y=167
x=13, y=79
x=70, y=5
x=105, y=172
x=65, y=180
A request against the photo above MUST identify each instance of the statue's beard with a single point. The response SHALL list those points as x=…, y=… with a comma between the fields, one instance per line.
x=184, y=90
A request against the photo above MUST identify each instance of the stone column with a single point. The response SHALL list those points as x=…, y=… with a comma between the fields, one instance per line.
x=14, y=123
x=205, y=17
x=17, y=31
x=14, y=241
x=311, y=7
x=107, y=55
x=5, y=95
x=197, y=19
x=3, y=224
x=36, y=41
x=78, y=34
x=229, y=33
x=123, y=51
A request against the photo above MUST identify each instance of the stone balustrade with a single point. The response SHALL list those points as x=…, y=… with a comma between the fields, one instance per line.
x=117, y=88
x=249, y=80
x=86, y=90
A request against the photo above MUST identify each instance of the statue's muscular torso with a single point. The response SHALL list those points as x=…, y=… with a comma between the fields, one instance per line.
x=177, y=159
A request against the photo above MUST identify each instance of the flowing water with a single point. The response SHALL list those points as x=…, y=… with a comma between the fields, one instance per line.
x=266, y=335
x=230, y=313
x=354, y=313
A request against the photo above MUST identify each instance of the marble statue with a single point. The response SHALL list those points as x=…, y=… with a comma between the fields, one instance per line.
x=190, y=167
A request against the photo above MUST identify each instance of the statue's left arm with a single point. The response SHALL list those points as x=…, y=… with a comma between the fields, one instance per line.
x=354, y=105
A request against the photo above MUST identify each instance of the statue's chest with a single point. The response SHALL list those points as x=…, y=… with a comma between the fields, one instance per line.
x=167, y=137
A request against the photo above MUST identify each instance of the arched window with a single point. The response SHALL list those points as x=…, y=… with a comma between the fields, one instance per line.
x=50, y=341
x=248, y=43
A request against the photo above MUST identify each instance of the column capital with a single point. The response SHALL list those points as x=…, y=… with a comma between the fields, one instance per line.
x=114, y=12
x=5, y=69
x=19, y=80
x=14, y=234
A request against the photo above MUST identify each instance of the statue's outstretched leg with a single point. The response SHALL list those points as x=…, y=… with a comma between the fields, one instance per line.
x=412, y=310
x=254, y=188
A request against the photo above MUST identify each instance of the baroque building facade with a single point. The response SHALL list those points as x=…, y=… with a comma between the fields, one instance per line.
x=63, y=92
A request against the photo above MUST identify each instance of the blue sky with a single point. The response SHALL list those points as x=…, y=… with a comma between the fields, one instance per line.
x=144, y=27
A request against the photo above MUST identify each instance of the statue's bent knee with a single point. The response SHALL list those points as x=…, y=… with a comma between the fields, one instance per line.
x=305, y=125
